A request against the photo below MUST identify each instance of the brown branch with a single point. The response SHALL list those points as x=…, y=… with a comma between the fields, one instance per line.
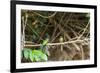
x=46, y=16
x=84, y=30
x=55, y=36
x=63, y=43
x=24, y=23
x=82, y=52
x=43, y=32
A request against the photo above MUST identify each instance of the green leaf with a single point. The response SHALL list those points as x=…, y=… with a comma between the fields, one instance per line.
x=26, y=53
x=37, y=59
x=34, y=55
x=44, y=57
x=31, y=57
x=37, y=52
x=39, y=56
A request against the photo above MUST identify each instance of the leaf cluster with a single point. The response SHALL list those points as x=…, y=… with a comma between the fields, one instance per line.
x=34, y=55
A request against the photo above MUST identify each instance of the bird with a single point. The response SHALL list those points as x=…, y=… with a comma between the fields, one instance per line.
x=44, y=43
x=61, y=41
x=44, y=46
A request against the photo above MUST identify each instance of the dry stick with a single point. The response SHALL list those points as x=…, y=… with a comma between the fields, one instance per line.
x=54, y=32
x=56, y=36
x=24, y=23
x=81, y=31
x=68, y=19
x=85, y=43
x=76, y=35
x=56, y=27
x=28, y=42
x=82, y=52
x=43, y=32
x=78, y=27
x=88, y=34
x=84, y=30
x=85, y=40
x=61, y=20
x=75, y=38
x=46, y=16
x=22, y=38
x=63, y=43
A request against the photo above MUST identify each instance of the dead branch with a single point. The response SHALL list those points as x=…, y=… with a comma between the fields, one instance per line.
x=52, y=44
x=84, y=30
x=46, y=16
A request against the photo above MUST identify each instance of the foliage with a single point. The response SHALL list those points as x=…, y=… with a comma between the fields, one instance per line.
x=34, y=55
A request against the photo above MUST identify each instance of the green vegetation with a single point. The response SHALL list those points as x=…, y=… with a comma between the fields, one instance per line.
x=33, y=55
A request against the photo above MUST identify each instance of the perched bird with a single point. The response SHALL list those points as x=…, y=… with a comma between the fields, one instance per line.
x=44, y=46
x=44, y=43
x=61, y=41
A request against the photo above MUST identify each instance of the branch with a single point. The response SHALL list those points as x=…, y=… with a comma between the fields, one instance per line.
x=63, y=43
x=46, y=16
x=84, y=30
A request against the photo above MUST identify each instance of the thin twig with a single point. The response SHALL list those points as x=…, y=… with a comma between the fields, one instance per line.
x=84, y=30
x=56, y=36
x=46, y=16
x=24, y=23
x=43, y=32
x=82, y=52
